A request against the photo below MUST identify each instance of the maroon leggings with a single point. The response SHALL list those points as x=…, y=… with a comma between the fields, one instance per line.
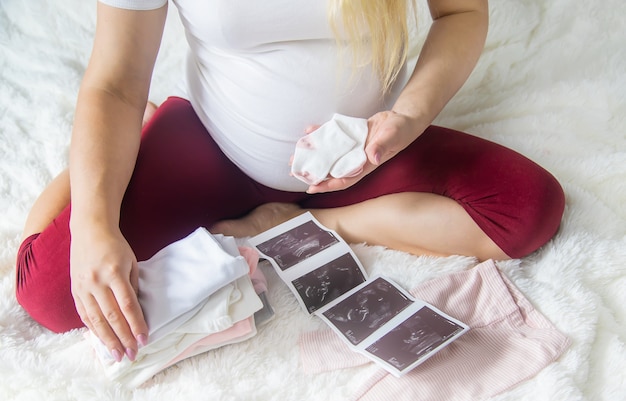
x=182, y=181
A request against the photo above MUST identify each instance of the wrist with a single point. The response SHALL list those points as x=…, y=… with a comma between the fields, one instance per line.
x=410, y=106
x=417, y=121
x=92, y=219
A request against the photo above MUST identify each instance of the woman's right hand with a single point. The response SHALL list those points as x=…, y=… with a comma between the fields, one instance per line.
x=104, y=277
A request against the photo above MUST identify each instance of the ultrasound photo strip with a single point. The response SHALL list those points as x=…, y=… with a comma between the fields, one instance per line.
x=385, y=323
x=375, y=317
x=316, y=264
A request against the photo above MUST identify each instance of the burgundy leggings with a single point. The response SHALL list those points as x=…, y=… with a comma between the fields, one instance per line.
x=182, y=181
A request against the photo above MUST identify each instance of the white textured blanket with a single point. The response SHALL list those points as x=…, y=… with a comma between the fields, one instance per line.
x=551, y=84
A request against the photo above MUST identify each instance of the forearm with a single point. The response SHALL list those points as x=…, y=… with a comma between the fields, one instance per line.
x=103, y=152
x=109, y=110
x=450, y=53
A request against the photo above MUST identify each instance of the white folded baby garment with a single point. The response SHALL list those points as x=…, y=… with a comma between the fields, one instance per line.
x=191, y=287
x=177, y=279
x=337, y=148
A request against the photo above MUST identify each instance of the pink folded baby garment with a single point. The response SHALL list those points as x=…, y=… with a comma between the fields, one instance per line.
x=240, y=331
x=335, y=149
x=509, y=341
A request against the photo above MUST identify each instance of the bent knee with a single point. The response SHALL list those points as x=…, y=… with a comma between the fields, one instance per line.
x=522, y=217
x=540, y=217
x=42, y=288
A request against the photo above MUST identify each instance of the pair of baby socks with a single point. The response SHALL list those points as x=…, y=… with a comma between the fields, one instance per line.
x=335, y=149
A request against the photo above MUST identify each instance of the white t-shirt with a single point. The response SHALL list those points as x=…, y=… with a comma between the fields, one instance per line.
x=259, y=72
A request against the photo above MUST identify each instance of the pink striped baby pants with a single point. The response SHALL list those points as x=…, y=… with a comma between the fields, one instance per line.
x=508, y=342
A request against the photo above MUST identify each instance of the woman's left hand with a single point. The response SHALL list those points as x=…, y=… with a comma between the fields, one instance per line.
x=389, y=133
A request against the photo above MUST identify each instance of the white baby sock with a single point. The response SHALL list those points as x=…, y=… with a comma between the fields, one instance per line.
x=352, y=162
x=337, y=148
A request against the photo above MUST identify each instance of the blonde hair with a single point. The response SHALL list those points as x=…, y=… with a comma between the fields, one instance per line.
x=377, y=32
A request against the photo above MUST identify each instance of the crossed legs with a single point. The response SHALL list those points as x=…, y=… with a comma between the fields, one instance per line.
x=417, y=223
x=447, y=193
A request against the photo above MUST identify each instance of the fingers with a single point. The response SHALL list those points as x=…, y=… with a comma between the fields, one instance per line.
x=103, y=317
x=94, y=321
x=390, y=132
x=134, y=313
x=333, y=184
x=337, y=184
x=114, y=315
x=82, y=313
x=381, y=139
x=111, y=310
x=134, y=277
x=375, y=153
x=383, y=146
x=311, y=128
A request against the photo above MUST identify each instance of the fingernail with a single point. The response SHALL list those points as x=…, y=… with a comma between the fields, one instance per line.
x=117, y=355
x=142, y=339
x=131, y=354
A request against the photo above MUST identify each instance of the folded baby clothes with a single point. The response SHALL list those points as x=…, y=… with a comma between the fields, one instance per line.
x=189, y=290
x=217, y=315
x=509, y=341
x=335, y=149
x=242, y=330
x=178, y=278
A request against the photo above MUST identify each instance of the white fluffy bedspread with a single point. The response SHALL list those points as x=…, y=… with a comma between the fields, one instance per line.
x=551, y=84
